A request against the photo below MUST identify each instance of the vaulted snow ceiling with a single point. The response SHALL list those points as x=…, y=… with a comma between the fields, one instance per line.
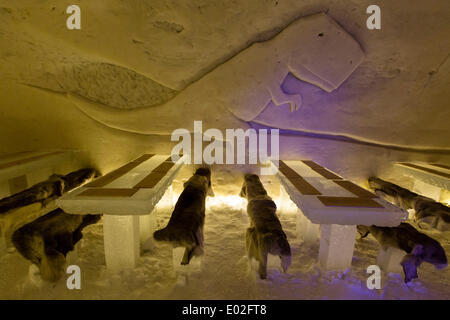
x=144, y=55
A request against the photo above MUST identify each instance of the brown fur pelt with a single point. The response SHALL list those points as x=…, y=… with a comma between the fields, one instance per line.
x=47, y=240
x=265, y=234
x=427, y=211
x=185, y=227
x=47, y=190
x=78, y=177
x=418, y=246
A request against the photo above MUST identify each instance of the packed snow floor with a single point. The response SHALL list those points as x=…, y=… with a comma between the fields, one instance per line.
x=225, y=271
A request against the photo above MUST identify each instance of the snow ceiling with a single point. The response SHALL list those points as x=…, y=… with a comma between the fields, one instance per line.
x=149, y=67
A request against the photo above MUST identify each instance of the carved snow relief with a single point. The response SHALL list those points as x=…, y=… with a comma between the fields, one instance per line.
x=314, y=49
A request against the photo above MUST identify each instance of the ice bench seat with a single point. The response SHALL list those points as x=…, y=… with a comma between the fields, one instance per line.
x=125, y=197
x=430, y=179
x=337, y=205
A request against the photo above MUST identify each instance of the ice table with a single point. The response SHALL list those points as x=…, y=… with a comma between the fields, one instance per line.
x=337, y=205
x=125, y=197
x=429, y=178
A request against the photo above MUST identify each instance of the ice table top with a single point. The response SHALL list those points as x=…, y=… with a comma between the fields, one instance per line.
x=326, y=198
x=133, y=189
x=432, y=173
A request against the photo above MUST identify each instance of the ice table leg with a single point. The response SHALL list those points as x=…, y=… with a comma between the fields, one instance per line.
x=307, y=231
x=121, y=241
x=427, y=190
x=337, y=243
x=147, y=225
x=389, y=259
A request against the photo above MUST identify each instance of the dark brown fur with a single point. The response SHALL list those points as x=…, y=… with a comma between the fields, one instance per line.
x=185, y=227
x=47, y=240
x=265, y=234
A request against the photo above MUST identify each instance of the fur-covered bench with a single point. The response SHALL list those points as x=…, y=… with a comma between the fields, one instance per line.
x=47, y=241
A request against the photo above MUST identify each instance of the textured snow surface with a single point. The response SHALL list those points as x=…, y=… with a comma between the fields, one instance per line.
x=225, y=272
x=135, y=54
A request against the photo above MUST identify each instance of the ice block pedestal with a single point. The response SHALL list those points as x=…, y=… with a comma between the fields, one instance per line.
x=126, y=197
x=147, y=225
x=336, y=246
x=284, y=201
x=121, y=241
x=337, y=205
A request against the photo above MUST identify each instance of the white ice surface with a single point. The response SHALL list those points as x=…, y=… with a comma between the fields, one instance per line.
x=225, y=272
x=318, y=213
x=121, y=241
x=336, y=246
x=307, y=231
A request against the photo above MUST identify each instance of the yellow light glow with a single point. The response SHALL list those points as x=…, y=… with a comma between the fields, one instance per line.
x=230, y=201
